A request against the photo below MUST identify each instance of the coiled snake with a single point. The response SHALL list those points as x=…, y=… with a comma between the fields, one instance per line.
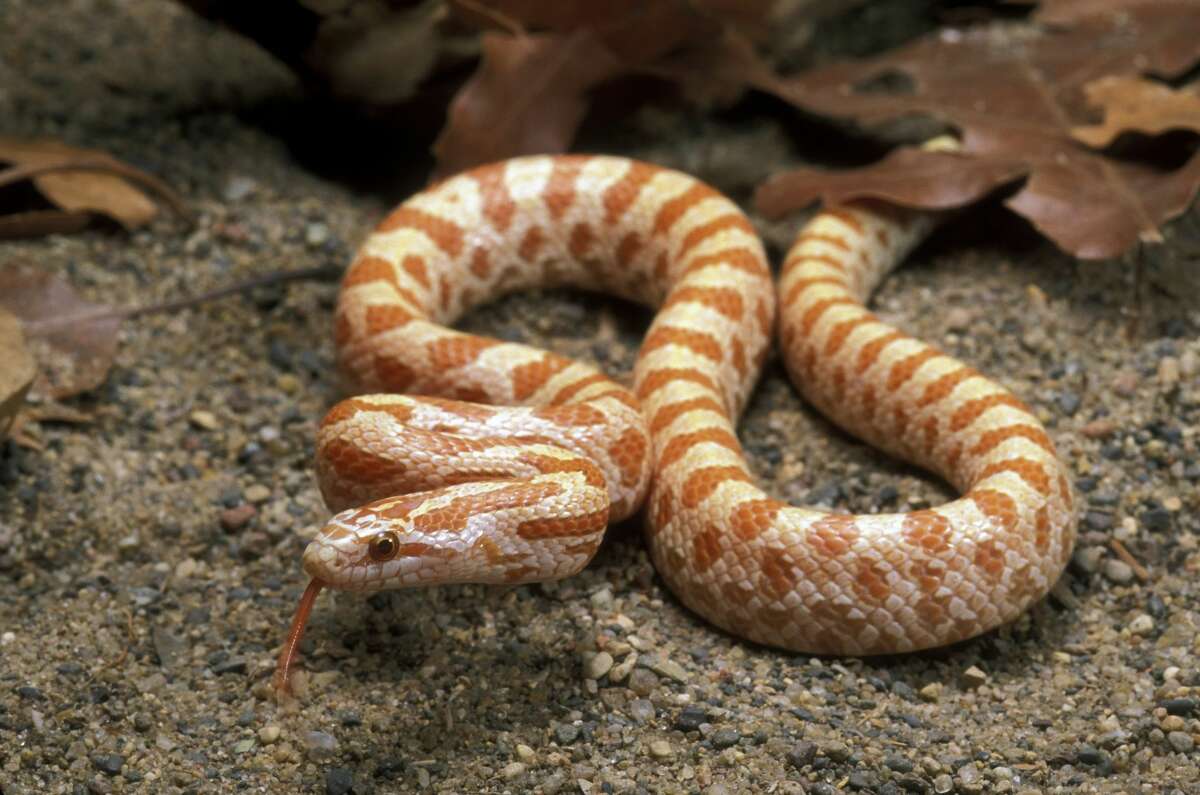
x=512, y=472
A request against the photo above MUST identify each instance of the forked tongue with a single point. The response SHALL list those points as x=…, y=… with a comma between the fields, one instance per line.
x=283, y=668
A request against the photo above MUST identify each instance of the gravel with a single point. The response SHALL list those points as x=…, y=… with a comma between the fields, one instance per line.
x=149, y=559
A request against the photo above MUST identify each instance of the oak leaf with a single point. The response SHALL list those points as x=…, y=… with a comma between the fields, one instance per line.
x=78, y=182
x=16, y=370
x=1132, y=104
x=1015, y=94
x=73, y=340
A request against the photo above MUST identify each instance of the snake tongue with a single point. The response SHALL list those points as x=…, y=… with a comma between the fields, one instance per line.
x=287, y=657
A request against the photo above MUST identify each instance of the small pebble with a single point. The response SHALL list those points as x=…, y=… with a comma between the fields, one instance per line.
x=931, y=692
x=257, y=493
x=268, y=734
x=661, y=749
x=109, y=764
x=669, y=668
x=725, y=738
x=641, y=710
x=338, y=781
x=1118, y=570
x=525, y=753
x=315, y=235
x=623, y=668
x=837, y=752
x=1168, y=372
x=643, y=682
x=238, y=187
x=566, y=733
x=690, y=718
x=319, y=745
x=1142, y=624
x=801, y=754
x=973, y=677
x=234, y=519
x=1181, y=742
x=204, y=420
x=597, y=665
x=512, y=770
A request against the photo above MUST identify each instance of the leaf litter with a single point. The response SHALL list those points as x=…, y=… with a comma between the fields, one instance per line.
x=1017, y=94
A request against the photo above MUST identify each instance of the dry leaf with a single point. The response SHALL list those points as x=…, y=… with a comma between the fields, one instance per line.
x=526, y=97
x=78, y=181
x=530, y=91
x=72, y=340
x=16, y=370
x=1132, y=104
x=1016, y=94
x=378, y=60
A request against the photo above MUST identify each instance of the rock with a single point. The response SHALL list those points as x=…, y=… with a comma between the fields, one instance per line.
x=725, y=738
x=566, y=733
x=1118, y=571
x=109, y=764
x=338, y=781
x=319, y=745
x=1168, y=372
x=234, y=519
x=597, y=665
x=268, y=734
x=204, y=420
x=973, y=677
x=690, y=718
x=641, y=710
x=1181, y=742
x=1141, y=624
x=512, y=770
x=661, y=749
x=801, y=754
x=668, y=668
x=642, y=682
x=257, y=493
x=931, y=692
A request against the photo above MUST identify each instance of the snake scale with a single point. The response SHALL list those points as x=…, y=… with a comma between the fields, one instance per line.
x=467, y=459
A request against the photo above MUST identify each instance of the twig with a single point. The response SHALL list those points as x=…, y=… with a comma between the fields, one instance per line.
x=323, y=273
x=1124, y=554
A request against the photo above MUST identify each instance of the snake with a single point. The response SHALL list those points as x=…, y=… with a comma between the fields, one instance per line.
x=466, y=459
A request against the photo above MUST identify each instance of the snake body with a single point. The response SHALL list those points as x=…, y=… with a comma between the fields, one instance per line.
x=510, y=463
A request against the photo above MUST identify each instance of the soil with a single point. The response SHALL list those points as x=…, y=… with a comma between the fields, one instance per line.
x=149, y=558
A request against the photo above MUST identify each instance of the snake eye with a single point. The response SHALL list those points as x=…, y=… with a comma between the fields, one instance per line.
x=384, y=547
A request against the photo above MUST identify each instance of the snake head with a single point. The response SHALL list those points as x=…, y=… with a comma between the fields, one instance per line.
x=376, y=547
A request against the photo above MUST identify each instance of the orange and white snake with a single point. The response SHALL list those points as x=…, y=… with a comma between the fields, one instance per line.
x=512, y=467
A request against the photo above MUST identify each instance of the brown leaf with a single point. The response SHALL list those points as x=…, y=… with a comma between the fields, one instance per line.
x=911, y=177
x=530, y=91
x=377, y=60
x=85, y=180
x=528, y=96
x=1016, y=94
x=16, y=370
x=72, y=340
x=1132, y=104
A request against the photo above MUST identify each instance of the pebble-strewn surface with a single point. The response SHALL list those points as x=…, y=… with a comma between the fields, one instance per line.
x=149, y=558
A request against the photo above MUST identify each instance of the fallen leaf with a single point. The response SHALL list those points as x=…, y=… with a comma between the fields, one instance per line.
x=17, y=370
x=72, y=340
x=526, y=97
x=1132, y=104
x=79, y=181
x=1015, y=93
x=378, y=60
x=531, y=89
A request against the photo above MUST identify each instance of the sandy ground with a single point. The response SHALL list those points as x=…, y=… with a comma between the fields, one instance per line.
x=149, y=559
